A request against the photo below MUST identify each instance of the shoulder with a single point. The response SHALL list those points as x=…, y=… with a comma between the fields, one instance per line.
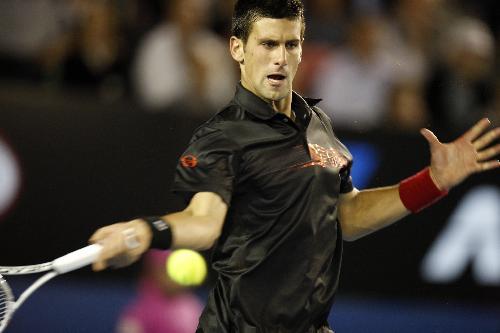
x=220, y=126
x=236, y=126
x=320, y=113
x=316, y=110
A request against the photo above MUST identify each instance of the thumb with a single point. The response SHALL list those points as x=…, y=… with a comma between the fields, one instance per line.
x=430, y=137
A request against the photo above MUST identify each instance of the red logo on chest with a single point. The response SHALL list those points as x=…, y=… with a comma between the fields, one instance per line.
x=325, y=157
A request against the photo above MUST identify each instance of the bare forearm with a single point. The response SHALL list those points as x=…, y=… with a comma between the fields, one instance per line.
x=200, y=224
x=196, y=227
x=371, y=210
x=361, y=213
x=191, y=231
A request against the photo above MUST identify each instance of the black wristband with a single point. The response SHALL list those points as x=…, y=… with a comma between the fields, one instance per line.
x=161, y=231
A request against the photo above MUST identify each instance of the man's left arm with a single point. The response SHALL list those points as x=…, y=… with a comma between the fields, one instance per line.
x=363, y=212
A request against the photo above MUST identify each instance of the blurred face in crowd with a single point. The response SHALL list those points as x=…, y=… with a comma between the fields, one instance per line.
x=364, y=36
x=326, y=8
x=190, y=15
x=270, y=57
x=419, y=14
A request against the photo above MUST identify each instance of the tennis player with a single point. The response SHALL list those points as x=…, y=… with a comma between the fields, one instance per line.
x=269, y=189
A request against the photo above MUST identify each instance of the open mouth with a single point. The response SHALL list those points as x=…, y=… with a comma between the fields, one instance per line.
x=276, y=77
x=276, y=80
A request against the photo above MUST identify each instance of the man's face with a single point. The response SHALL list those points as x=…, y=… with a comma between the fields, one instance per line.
x=271, y=57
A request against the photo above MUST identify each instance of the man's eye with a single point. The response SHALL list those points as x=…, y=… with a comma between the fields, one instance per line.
x=292, y=45
x=269, y=44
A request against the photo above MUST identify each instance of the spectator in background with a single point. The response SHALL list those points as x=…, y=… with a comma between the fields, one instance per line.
x=409, y=41
x=65, y=44
x=139, y=17
x=27, y=28
x=161, y=306
x=407, y=109
x=327, y=21
x=410, y=37
x=182, y=62
x=326, y=29
x=223, y=13
x=93, y=57
x=486, y=10
x=494, y=112
x=461, y=87
x=356, y=79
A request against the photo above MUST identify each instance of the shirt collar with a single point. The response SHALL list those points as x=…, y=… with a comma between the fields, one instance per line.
x=263, y=110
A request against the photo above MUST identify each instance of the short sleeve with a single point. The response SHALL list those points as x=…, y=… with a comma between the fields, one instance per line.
x=207, y=165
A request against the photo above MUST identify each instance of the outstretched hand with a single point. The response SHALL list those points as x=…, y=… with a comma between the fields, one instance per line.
x=471, y=153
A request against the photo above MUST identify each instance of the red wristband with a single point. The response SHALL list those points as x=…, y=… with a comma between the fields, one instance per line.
x=419, y=191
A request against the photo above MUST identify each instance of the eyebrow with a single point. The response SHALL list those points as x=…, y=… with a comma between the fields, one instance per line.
x=268, y=39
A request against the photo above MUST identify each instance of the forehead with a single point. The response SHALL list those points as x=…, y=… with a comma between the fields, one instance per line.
x=276, y=29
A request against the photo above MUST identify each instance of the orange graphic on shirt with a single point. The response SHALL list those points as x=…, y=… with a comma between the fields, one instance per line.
x=189, y=161
x=325, y=157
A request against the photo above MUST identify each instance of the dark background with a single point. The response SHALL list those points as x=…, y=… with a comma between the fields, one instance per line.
x=85, y=164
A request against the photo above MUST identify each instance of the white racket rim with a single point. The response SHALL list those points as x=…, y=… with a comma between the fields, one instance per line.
x=28, y=269
x=9, y=305
x=6, y=303
x=69, y=262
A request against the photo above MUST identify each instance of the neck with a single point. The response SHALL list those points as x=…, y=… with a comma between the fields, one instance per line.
x=284, y=105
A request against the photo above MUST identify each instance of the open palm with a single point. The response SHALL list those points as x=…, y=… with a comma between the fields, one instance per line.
x=471, y=153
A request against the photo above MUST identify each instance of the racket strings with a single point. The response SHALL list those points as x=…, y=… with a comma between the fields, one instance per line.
x=20, y=270
x=3, y=307
x=5, y=302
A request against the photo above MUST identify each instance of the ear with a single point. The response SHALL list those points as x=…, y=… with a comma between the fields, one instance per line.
x=301, y=49
x=236, y=48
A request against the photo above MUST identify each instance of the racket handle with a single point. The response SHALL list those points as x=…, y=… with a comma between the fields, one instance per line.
x=77, y=259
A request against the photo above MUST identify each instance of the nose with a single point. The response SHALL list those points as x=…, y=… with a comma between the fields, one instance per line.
x=281, y=56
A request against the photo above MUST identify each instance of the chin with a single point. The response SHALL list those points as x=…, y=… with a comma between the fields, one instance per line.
x=275, y=95
x=279, y=97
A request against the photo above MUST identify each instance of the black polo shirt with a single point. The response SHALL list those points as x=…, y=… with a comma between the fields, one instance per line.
x=279, y=253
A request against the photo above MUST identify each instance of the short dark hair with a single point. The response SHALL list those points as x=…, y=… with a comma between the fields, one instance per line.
x=246, y=12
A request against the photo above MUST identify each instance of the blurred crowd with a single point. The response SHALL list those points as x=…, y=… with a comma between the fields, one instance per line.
x=378, y=64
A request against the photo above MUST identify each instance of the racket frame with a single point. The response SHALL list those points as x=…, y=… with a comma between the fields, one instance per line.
x=69, y=262
x=8, y=298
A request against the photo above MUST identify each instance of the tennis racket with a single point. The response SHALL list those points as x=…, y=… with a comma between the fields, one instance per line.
x=61, y=265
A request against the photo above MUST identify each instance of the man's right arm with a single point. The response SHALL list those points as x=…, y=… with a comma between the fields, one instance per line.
x=196, y=227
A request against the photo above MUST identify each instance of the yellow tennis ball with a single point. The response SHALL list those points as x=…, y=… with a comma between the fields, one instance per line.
x=186, y=267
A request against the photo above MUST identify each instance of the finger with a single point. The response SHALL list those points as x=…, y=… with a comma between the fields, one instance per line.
x=111, y=241
x=102, y=261
x=99, y=266
x=104, y=232
x=489, y=165
x=99, y=235
x=477, y=129
x=429, y=136
x=110, y=249
x=488, y=153
x=121, y=260
x=486, y=139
